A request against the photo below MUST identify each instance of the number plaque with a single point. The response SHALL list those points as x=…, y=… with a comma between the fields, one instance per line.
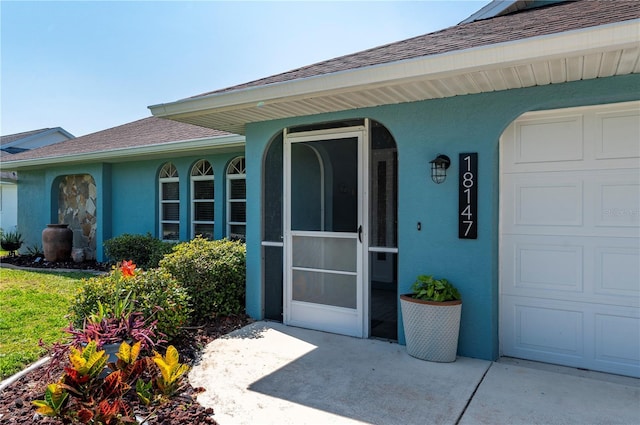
x=468, y=198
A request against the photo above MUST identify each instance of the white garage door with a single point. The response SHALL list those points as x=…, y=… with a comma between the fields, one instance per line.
x=570, y=238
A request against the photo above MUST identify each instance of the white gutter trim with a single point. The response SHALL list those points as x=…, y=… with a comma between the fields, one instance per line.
x=183, y=146
x=578, y=42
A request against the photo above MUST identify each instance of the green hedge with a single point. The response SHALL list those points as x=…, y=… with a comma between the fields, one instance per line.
x=144, y=250
x=213, y=273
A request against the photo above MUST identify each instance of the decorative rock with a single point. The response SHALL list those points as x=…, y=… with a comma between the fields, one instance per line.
x=77, y=255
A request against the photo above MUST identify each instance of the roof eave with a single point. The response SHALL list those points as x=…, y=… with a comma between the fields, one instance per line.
x=490, y=57
x=182, y=147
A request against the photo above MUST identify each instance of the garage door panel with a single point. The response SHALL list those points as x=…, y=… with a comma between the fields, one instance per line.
x=618, y=202
x=574, y=268
x=575, y=334
x=549, y=139
x=586, y=139
x=617, y=339
x=587, y=203
x=617, y=272
x=570, y=238
x=549, y=267
x=549, y=203
x=618, y=134
x=543, y=327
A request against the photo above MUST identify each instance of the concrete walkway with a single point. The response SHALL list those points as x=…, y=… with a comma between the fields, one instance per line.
x=267, y=373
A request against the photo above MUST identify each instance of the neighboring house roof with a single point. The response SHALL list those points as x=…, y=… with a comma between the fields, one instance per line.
x=503, y=7
x=556, y=43
x=5, y=140
x=15, y=143
x=143, y=138
x=12, y=144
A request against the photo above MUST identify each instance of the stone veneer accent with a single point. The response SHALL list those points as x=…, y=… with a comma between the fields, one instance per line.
x=77, y=197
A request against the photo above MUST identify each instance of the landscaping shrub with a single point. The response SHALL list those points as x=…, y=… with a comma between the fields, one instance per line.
x=155, y=294
x=87, y=392
x=144, y=250
x=213, y=273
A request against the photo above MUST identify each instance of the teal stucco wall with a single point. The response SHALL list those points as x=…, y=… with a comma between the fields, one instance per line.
x=422, y=130
x=128, y=191
x=127, y=196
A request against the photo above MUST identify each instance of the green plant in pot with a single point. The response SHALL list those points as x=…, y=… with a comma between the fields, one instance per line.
x=431, y=319
x=11, y=241
x=427, y=288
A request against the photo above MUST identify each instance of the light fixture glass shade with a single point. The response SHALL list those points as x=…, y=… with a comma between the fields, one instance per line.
x=439, y=168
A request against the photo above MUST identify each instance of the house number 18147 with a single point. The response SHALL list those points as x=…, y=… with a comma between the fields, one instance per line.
x=468, y=196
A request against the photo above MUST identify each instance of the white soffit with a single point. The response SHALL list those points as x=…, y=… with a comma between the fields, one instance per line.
x=584, y=54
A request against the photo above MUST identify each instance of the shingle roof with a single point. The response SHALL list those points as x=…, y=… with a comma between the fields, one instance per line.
x=9, y=138
x=144, y=132
x=551, y=19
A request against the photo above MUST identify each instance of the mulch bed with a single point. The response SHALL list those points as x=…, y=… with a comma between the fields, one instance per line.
x=37, y=262
x=15, y=400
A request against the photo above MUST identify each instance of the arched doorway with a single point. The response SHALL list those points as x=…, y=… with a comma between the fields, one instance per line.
x=330, y=228
x=78, y=207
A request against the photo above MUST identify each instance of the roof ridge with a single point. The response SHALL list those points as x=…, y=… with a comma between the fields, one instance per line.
x=503, y=28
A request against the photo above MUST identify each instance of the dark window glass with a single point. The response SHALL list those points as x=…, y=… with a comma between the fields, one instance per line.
x=383, y=211
x=171, y=212
x=203, y=211
x=171, y=231
x=238, y=212
x=273, y=283
x=204, y=230
x=272, y=194
x=170, y=191
x=238, y=189
x=203, y=189
x=384, y=294
x=238, y=232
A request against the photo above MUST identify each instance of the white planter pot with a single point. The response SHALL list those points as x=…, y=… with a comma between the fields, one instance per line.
x=431, y=328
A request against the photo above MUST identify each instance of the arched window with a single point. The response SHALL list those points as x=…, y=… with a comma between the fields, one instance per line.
x=202, y=200
x=236, y=199
x=169, y=208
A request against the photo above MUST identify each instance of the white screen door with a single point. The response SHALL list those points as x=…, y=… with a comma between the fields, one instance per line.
x=324, y=232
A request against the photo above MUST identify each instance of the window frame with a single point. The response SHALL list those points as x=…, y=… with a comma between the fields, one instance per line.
x=202, y=175
x=236, y=170
x=172, y=176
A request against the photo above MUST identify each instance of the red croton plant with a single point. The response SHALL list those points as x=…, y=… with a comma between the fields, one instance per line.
x=93, y=391
x=89, y=394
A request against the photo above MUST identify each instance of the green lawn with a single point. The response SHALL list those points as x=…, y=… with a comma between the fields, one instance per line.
x=32, y=306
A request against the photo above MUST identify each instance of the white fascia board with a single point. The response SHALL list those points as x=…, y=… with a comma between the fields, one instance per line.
x=568, y=44
x=182, y=147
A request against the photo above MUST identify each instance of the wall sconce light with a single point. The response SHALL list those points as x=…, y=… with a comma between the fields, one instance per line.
x=439, y=168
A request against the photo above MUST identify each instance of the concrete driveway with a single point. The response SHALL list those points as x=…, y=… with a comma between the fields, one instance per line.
x=268, y=373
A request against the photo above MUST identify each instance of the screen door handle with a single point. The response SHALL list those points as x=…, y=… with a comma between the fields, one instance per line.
x=360, y=233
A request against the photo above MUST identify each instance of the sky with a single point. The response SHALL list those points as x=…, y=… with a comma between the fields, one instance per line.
x=87, y=66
